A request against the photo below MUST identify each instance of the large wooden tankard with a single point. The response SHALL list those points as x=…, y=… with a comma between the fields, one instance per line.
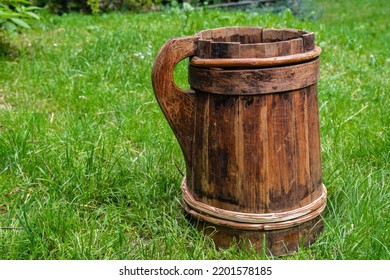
x=249, y=132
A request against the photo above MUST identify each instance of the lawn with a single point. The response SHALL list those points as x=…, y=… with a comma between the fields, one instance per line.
x=90, y=169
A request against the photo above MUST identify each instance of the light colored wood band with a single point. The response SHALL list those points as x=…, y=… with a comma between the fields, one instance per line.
x=252, y=220
x=247, y=226
x=255, y=62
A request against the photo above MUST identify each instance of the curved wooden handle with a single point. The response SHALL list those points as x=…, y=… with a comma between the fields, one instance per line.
x=176, y=104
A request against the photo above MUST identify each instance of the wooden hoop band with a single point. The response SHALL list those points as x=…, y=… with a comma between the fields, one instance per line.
x=254, y=81
x=255, y=62
x=252, y=221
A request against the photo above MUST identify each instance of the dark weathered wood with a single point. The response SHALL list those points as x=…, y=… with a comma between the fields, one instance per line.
x=308, y=42
x=249, y=131
x=289, y=33
x=254, y=81
x=272, y=35
x=266, y=146
x=278, y=242
x=204, y=48
x=254, y=42
x=176, y=104
x=296, y=46
x=252, y=35
x=225, y=50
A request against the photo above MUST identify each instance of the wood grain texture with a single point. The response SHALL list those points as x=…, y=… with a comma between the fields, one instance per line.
x=176, y=104
x=257, y=61
x=249, y=132
x=277, y=242
x=254, y=81
x=256, y=154
x=267, y=221
x=252, y=42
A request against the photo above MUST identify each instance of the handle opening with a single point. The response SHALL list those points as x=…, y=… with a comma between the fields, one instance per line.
x=180, y=75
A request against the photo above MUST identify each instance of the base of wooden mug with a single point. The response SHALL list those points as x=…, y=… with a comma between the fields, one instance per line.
x=271, y=243
x=272, y=234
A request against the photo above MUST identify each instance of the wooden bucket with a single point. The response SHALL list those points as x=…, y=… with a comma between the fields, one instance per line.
x=249, y=132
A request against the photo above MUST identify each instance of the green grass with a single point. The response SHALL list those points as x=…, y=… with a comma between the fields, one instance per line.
x=88, y=162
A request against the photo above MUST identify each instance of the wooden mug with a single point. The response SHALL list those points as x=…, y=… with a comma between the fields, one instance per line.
x=249, y=132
